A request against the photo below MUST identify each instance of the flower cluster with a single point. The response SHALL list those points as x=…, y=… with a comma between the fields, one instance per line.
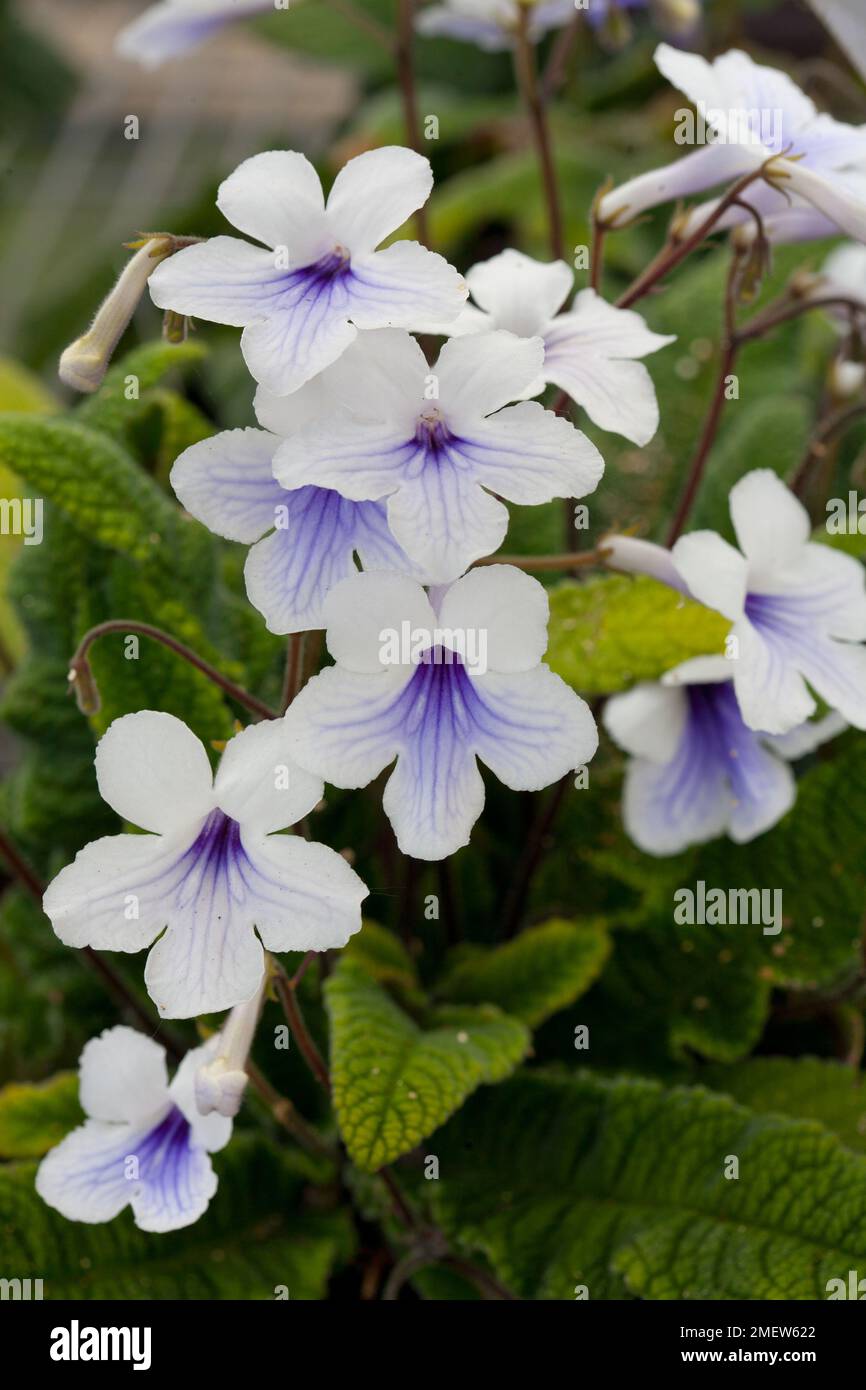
x=373, y=495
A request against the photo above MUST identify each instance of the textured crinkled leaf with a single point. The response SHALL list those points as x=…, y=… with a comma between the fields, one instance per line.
x=33, y=1118
x=543, y=970
x=809, y=1088
x=111, y=409
x=614, y=630
x=93, y=480
x=620, y=1185
x=395, y=1082
x=254, y=1237
x=382, y=955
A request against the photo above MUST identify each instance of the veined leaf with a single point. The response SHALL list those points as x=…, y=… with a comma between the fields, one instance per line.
x=620, y=1186
x=110, y=409
x=543, y=970
x=92, y=479
x=33, y=1118
x=614, y=630
x=809, y=1088
x=395, y=1082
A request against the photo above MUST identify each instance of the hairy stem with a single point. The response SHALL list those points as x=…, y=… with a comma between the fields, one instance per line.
x=79, y=666
x=527, y=80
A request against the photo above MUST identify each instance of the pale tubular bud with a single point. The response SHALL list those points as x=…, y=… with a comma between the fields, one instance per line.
x=676, y=17
x=220, y=1083
x=846, y=379
x=84, y=363
x=633, y=556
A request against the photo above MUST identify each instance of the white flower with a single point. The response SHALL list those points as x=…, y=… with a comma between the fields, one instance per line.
x=754, y=113
x=444, y=445
x=303, y=541
x=697, y=770
x=431, y=710
x=846, y=20
x=798, y=609
x=174, y=27
x=588, y=351
x=84, y=363
x=144, y=1143
x=302, y=302
x=211, y=872
x=492, y=24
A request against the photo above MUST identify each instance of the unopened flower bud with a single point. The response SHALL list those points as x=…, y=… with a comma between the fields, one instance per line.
x=83, y=683
x=220, y=1083
x=84, y=363
x=676, y=17
x=846, y=379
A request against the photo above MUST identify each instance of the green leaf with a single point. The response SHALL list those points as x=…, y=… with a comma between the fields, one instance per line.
x=254, y=1237
x=612, y=631
x=620, y=1185
x=394, y=1081
x=93, y=480
x=809, y=1088
x=110, y=410
x=382, y=955
x=542, y=971
x=35, y=1118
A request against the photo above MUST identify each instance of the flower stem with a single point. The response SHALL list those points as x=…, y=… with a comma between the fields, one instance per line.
x=729, y=348
x=404, y=53
x=291, y=1008
x=675, y=251
x=79, y=666
x=527, y=80
x=294, y=674
x=831, y=426
x=585, y=559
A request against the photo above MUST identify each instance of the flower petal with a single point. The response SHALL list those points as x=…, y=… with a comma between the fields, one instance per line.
x=382, y=377
x=227, y=483
x=481, y=373
x=171, y=29
x=533, y=729
x=301, y=329
x=770, y=689
x=404, y=286
x=277, y=198
x=359, y=610
x=177, y=1178
x=696, y=172
x=772, y=525
x=84, y=1177
x=223, y=280
x=433, y=797
x=362, y=461
x=122, y=1076
x=444, y=521
x=258, y=786
x=316, y=899
x=530, y=455
x=375, y=193
x=715, y=572
x=830, y=195
x=508, y=606
x=115, y=895
x=648, y=721
x=520, y=294
x=154, y=772
x=285, y=415
x=344, y=725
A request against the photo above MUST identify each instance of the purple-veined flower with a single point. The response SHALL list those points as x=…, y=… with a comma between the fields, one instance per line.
x=443, y=444
x=303, y=541
x=798, y=609
x=697, y=770
x=589, y=351
x=144, y=1143
x=431, y=704
x=493, y=24
x=211, y=874
x=173, y=28
x=302, y=302
x=846, y=20
x=752, y=114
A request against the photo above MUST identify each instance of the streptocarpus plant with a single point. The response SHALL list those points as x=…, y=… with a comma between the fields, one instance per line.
x=419, y=430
